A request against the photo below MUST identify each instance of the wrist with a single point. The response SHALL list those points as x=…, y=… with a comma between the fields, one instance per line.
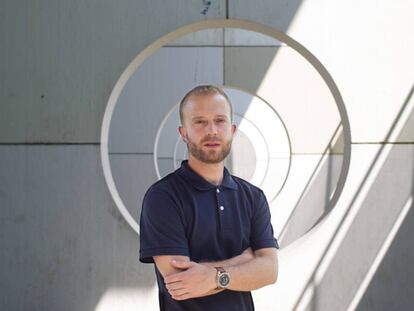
x=207, y=264
x=222, y=278
x=213, y=278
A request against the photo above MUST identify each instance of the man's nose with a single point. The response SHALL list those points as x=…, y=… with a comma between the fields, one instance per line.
x=211, y=129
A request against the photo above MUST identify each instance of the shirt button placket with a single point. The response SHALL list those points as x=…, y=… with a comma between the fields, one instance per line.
x=221, y=207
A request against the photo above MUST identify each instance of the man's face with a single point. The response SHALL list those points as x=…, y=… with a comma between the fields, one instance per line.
x=207, y=128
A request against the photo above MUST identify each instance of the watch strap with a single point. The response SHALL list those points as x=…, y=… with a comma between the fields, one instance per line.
x=220, y=269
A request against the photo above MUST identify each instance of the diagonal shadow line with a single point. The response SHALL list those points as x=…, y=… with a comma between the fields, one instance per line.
x=390, y=238
x=378, y=267
x=308, y=184
x=390, y=132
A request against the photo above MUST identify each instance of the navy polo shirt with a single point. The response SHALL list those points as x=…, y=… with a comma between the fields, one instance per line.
x=183, y=214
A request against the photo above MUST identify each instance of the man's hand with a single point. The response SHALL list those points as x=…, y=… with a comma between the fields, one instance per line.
x=196, y=281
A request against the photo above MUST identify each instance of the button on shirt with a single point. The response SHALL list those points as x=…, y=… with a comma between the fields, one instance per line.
x=183, y=214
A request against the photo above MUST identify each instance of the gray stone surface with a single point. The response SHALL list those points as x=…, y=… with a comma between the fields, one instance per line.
x=242, y=37
x=225, y=37
x=133, y=174
x=245, y=67
x=313, y=203
x=407, y=132
x=278, y=14
x=60, y=60
x=293, y=87
x=63, y=241
x=207, y=37
x=242, y=158
x=166, y=166
x=391, y=287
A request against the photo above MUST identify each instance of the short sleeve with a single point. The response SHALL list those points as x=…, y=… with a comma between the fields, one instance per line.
x=261, y=226
x=162, y=229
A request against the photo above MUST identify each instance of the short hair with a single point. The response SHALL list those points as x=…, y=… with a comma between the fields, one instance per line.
x=204, y=90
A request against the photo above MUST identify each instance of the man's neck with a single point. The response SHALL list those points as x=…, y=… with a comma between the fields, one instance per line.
x=213, y=173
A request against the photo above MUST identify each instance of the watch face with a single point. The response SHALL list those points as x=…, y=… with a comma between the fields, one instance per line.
x=224, y=280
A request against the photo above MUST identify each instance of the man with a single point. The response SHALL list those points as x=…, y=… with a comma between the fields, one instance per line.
x=209, y=233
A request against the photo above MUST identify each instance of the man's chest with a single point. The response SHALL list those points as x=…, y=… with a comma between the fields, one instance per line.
x=217, y=224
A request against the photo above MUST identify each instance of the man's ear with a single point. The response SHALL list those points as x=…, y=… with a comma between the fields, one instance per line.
x=182, y=132
x=233, y=129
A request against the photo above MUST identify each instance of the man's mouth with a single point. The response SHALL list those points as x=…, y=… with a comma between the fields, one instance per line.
x=212, y=144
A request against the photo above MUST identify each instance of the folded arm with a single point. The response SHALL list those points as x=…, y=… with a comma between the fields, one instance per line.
x=185, y=279
x=256, y=273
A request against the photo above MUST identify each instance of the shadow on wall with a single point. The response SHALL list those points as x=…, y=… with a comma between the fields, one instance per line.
x=313, y=203
x=391, y=287
x=378, y=241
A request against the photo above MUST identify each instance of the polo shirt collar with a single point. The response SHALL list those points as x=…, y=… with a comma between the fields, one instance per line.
x=200, y=183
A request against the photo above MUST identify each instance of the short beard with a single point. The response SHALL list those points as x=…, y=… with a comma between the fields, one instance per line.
x=211, y=157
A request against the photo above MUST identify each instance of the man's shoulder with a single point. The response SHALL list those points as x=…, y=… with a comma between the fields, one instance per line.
x=246, y=185
x=164, y=185
x=249, y=191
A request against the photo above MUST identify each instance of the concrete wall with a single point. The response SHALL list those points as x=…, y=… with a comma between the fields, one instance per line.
x=66, y=245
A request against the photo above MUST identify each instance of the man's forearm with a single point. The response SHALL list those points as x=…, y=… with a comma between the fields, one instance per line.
x=198, y=280
x=244, y=257
x=255, y=273
x=249, y=271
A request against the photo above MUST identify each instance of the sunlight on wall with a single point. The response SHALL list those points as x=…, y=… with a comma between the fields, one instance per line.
x=335, y=227
x=126, y=299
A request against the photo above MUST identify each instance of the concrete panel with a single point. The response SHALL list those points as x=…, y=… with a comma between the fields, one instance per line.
x=261, y=123
x=286, y=81
x=323, y=249
x=226, y=37
x=407, y=132
x=242, y=37
x=242, y=158
x=276, y=174
x=278, y=14
x=386, y=202
x=245, y=67
x=59, y=60
x=366, y=75
x=166, y=166
x=391, y=286
x=64, y=243
x=306, y=193
x=154, y=89
x=208, y=37
x=313, y=202
x=169, y=137
x=133, y=174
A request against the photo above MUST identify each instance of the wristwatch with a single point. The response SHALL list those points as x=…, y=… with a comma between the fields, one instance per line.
x=222, y=278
